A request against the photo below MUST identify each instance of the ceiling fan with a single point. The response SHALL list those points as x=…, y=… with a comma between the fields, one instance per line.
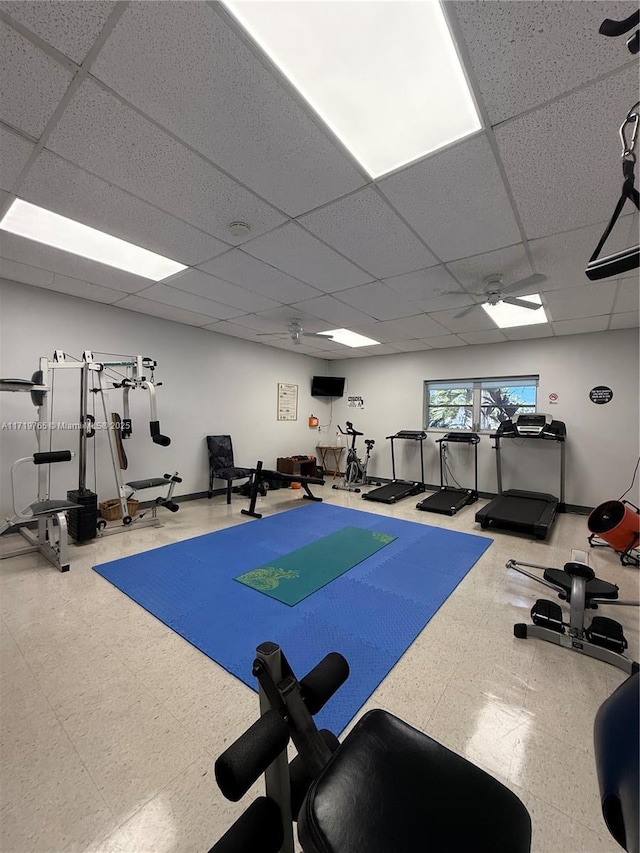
x=495, y=292
x=296, y=332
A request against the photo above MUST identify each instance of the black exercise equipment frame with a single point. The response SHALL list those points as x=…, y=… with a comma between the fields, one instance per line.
x=450, y=500
x=397, y=490
x=255, y=486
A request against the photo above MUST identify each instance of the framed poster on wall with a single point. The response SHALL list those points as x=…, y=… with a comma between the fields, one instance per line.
x=287, y=401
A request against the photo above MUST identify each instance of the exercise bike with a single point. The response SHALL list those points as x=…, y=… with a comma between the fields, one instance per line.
x=355, y=473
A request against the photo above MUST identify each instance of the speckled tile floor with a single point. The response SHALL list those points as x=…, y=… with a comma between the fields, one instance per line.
x=111, y=722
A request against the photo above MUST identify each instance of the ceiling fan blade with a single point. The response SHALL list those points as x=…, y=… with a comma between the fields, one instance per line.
x=525, y=283
x=522, y=303
x=317, y=335
x=270, y=334
x=465, y=311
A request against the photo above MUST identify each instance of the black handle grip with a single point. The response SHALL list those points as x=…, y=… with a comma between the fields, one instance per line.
x=171, y=506
x=319, y=685
x=242, y=763
x=259, y=829
x=52, y=456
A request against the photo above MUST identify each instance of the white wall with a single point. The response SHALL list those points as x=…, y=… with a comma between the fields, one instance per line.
x=218, y=384
x=602, y=440
x=212, y=384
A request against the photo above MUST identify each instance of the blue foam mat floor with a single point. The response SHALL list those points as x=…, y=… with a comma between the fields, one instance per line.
x=371, y=614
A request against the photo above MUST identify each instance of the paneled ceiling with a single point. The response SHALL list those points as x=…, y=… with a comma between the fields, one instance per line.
x=162, y=123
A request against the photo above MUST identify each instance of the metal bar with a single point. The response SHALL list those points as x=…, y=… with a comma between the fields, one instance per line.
x=277, y=780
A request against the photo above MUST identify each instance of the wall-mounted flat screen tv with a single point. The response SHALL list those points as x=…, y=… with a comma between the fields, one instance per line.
x=327, y=386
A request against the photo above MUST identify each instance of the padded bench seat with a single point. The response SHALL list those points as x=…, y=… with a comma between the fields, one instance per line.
x=392, y=789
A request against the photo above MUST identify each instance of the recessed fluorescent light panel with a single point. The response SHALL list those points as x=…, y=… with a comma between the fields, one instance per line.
x=505, y=316
x=36, y=223
x=384, y=76
x=350, y=339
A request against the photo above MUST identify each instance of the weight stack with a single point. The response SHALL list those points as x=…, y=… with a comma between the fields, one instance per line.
x=82, y=523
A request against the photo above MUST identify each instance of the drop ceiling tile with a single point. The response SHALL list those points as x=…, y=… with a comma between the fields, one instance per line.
x=445, y=341
x=165, y=312
x=511, y=263
x=578, y=327
x=64, y=188
x=336, y=314
x=589, y=300
x=295, y=251
x=407, y=328
x=475, y=321
x=628, y=296
x=380, y=349
x=628, y=320
x=238, y=267
x=3, y=197
x=423, y=285
x=47, y=258
x=563, y=160
x=525, y=333
x=75, y=287
x=16, y=271
x=182, y=64
x=201, y=284
x=446, y=198
x=411, y=346
x=110, y=140
x=365, y=229
x=506, y=41
x=71, y=27
x=379, y=301
x=32, y=83
x=224, y=327
x=442, y=303
x=495, y=337
x=188, y=301
x=14, y=153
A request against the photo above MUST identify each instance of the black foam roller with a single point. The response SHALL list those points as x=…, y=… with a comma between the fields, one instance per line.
x=242, y=763
x=319, y=685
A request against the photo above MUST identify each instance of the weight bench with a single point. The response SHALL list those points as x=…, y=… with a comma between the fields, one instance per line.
x=387, y=787
x=255, y=486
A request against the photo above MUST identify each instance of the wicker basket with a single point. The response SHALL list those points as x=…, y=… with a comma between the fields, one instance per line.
x=111, y=510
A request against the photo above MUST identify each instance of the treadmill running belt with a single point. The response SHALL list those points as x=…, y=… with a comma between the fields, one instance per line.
x=523, y=512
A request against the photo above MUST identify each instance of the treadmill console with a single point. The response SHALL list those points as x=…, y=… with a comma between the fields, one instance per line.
x=460, y=437
x=534, y=425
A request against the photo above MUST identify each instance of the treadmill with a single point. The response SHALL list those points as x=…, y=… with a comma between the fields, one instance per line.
x=450, y=499
x=529, y=513
x=396, y=490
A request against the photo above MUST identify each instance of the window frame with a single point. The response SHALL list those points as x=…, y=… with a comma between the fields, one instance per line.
x=477, y=385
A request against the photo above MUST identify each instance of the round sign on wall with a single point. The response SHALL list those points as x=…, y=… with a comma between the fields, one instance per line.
x=601, y=395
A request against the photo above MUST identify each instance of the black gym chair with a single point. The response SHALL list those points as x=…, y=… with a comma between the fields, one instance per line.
x=387, y=787
x=222, y=465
